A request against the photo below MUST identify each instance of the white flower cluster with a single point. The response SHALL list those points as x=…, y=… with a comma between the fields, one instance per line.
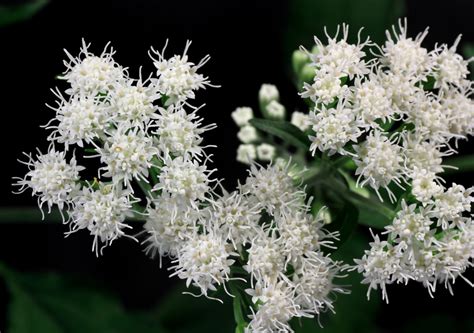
x=141, y=137
x=290, y=276
x=389, y=113
x=431, y=245
x=138, y=141
x=396, y=115
x=265, y=226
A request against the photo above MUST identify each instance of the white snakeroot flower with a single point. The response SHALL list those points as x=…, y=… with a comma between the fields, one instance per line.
x=300, y=120
x=449, y=67
x=170, y=222
x=430, y=120
x=247, y=134
x=379, y=162
x=423, y=155
x=132, y=103
x=274, y=188
x=203, y=261
x=378, y=266
x=80, y=119
x=275, y=110
x=267, y=93
x=242, y=115
x=456, y=254
x=373, y=102
x=91, y=75
x=425, y=185
x=246, y=153
x=275, y=307
x=236, y=217
x=51, y=178
x=300, y=234
x=411, y=226
x=324, y=89
x=314, y=283
x=184, y=178
x=450, y=204
x=338, y=58
x=179, y=133
x=333, y=128
x=265, y=262
x=177, y=76
x=404, y=55
x=401, y=89
x=103, y=213
x=460, y=112
x=128, y=155
x=266, y=152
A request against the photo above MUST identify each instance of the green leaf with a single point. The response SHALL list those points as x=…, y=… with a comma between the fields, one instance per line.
x=51, y=303
x=181, y=313
x=28, y=215
x=16, y=13
x=237, y=305
x=468, y=51
x=462, y=163
x=372, y=218
x=284, y=130
x=344, y=221
x=372, y=212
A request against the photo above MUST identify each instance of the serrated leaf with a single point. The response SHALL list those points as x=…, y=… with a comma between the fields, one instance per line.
x=284, y=130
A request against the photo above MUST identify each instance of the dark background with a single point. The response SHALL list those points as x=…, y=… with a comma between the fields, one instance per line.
x=248, y=42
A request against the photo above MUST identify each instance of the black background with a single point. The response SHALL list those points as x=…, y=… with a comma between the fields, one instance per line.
x=244, y=39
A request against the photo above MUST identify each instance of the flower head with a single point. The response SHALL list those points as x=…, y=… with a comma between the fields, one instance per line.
x=379, y=162
x=80, y=119
x=404, y=55
x=179, y=133
x=169, y=223
x=132, y=103
x=274, y=188
x=178, y=78
x=449, y=67
x=184, y=178
x=128, y=155
x=103, y=213
x=204, y=261
x=51, y=177
x=333, y=128
x=91, y=75
x=242, y=115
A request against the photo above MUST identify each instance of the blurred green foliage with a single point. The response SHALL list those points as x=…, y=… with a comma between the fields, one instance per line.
x=52, y=303
x=16, y=13
x=468, y=51
x=307, y=18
